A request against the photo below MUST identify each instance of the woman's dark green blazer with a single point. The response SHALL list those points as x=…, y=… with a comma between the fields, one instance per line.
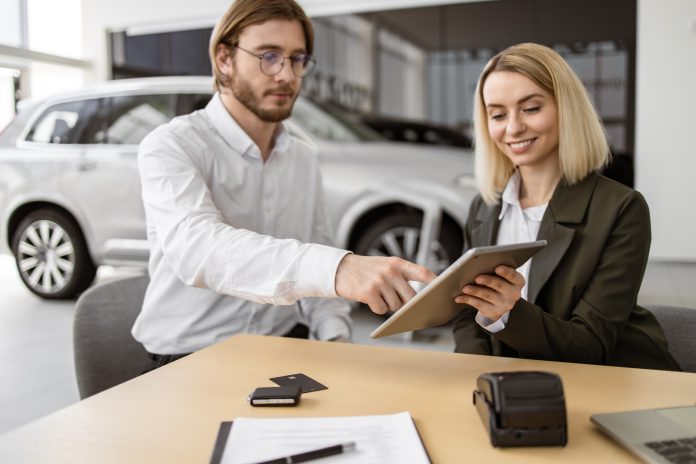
x=583, y=286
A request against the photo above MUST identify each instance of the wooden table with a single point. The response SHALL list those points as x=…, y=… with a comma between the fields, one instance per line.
x=172, y=414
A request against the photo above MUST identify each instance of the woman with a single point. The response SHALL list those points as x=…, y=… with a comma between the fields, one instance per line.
x=539, y=143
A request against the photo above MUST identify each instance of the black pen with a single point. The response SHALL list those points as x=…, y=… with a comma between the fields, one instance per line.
x=314, y=454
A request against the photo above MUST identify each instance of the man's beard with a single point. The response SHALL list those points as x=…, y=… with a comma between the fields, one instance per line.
x=244, y=93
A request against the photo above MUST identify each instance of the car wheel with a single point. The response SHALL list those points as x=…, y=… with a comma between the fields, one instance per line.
x=51, y=255
x=399, y=235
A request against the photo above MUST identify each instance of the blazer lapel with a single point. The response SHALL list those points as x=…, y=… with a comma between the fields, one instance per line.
x=546, y=260
x=567, y=206
x=486, y=231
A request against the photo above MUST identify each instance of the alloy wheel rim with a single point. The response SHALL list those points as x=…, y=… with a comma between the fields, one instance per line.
x=403, y=242
x=46, y=256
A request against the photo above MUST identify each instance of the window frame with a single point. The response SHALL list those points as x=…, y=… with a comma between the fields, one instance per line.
x=41, y=109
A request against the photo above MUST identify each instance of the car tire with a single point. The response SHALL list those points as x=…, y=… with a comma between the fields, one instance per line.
x=399, y=235
x=51, y=255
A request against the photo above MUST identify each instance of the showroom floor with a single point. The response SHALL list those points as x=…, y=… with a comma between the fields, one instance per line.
x=36, y=338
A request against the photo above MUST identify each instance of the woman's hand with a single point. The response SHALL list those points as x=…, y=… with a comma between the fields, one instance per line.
x=494, y=295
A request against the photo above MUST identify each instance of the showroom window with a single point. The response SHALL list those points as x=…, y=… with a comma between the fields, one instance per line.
x=40, y=49
x=54, y=27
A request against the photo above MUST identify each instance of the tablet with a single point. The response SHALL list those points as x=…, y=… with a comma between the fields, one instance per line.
x=434, y=304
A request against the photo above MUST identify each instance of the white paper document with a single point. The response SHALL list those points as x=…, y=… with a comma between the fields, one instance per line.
x=379, y=439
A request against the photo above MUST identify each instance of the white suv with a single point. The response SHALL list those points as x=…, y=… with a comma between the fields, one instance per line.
x=70, y=193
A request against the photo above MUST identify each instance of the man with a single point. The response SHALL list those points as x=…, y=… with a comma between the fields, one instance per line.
x=234, y=207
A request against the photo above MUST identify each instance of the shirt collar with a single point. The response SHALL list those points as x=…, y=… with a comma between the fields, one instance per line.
x=511, y=194
x=235, y=136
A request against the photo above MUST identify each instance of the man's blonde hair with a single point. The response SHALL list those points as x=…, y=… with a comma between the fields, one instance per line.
x=245, y=13
x=582, y=142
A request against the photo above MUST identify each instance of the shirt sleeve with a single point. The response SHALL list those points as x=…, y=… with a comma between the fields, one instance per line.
x=321, y=229
x=206, y=252
x=492, y=326
x=327, y=318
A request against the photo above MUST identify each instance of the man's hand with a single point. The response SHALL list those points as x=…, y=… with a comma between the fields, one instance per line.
x=379, y=282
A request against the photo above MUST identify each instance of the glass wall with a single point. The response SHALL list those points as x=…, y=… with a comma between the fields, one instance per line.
x=344, y=48
x=42, y=47
x=54, y=27
x=11, y=22
x=602, y=67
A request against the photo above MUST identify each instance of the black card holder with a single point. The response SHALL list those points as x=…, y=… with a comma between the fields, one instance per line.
x=275, y=396
x=524, y=408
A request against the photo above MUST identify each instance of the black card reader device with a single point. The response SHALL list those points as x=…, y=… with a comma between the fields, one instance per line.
x=523, y=408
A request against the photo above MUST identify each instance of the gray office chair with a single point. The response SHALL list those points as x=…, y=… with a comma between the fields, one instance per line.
x=679, y=325
x=106, y=353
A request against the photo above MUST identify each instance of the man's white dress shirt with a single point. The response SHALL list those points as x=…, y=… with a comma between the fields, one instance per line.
x=517, y=225
x=234, y=242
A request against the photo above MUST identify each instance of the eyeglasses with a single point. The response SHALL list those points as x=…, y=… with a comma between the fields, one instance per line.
x=272, y=62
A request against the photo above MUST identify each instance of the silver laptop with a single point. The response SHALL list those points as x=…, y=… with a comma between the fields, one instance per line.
x=656, y=435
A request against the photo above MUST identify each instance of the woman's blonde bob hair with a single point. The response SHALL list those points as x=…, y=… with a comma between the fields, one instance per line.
x=245, y=13
x=582, y=142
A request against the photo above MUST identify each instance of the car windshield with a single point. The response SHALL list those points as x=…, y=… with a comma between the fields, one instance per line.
x=329, y=123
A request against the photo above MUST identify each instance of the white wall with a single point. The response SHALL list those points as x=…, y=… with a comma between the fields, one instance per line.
x=666, y=124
